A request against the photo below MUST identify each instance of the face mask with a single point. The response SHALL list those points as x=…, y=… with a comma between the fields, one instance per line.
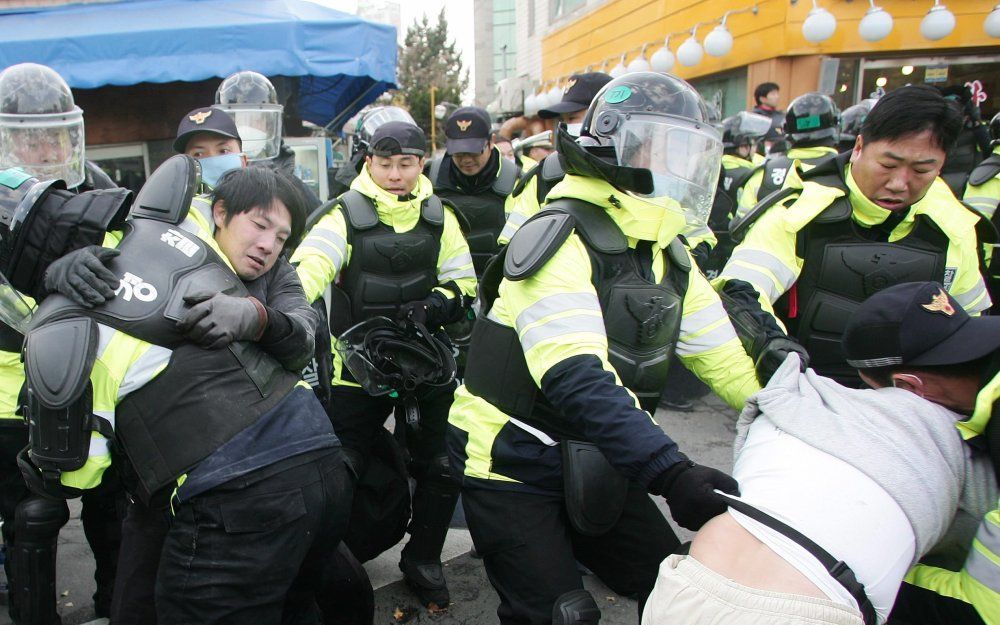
x=213, y=167
x=574, y=129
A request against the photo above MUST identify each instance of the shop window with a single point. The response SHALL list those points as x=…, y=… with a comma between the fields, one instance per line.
x=126, y=164
x=980, y=73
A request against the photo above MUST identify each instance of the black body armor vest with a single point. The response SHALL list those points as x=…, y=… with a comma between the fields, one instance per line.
x=844, y=264
x=483, y=214
x=641, y=317
x=202, y=398
x=387, y=268
x=723, y=210
x=776, y=170
x=959, y=162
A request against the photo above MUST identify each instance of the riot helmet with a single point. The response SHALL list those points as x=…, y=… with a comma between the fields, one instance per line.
x=370, y=120
x=851, y=121
x=251, y=100
x=386, y=357
x=648, y=134
x=41, y=128
x=995, y=130
x=744, y=129
x=812, y=119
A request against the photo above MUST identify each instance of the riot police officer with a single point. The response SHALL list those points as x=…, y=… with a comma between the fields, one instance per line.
x=569, y=356
x=391, y=247
x=474, y=177
x=740, y=134
x=42, y=132
x=252, y=101
x=360, y=138
x=811, y=128
x=983, y=190
x=863, y=221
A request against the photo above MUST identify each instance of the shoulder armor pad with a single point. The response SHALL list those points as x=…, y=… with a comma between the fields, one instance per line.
x=167, y=193
x=985, y=171
x=359, y=210
x=432, y=211
x=319, y=212
x=435, y=170
x=838, y=210
x=552, y=168
x=524, y=179
x=739, y=226
x=506, y=178
x=58, y=359
x=593, y=224
x=678, y=255
x=535, y=243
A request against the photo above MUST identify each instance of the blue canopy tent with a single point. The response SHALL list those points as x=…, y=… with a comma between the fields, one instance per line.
x=344, y=62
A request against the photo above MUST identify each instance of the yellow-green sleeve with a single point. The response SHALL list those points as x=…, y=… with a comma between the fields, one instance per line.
x=322, y=254
x=709, y=347
x=454, y=259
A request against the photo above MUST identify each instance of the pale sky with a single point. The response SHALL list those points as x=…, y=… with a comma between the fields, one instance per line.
x=460, y=25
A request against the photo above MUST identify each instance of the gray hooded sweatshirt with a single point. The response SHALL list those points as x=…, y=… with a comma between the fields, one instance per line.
x=906, y=444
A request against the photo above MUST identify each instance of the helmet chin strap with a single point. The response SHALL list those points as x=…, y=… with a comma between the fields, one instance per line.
x=583, y=161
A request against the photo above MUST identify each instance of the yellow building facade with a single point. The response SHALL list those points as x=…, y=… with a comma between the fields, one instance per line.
x=768, y=45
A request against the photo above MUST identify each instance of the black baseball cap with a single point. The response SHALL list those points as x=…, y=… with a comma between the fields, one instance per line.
x=579, y=93
x=468, y=130
x=394, y=138
x=205, y=119
x=919, y=324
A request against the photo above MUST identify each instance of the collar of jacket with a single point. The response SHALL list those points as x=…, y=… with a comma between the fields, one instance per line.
x=655, y=219
x=399, y=213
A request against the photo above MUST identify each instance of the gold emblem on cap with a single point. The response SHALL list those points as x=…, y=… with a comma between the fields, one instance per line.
x=939, y=303
x=463, y=124
x=199, y=118
x=569, y=85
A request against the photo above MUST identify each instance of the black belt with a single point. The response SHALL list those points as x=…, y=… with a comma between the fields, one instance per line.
x=838, y=569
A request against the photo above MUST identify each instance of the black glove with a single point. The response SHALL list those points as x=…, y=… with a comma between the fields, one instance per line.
x=689, y=491
x=413, y=311
x=431, y=312
x=215, y=319
x=774, y=353
x=762, y=338
x=82, y=276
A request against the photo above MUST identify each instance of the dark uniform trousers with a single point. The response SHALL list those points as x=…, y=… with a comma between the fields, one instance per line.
x=357, y=418
x=254, y=550
x=531, y=551
x=101, y=515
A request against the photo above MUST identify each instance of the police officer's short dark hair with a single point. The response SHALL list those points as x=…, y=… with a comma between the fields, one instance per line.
x=242, y=190
x=911, y=110
x=763, y=89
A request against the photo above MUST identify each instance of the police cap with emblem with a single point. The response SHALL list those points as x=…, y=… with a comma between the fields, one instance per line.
x=919, y=324
x=399, y=137
x=579, y=93
x=204, y=119
x=467, y=130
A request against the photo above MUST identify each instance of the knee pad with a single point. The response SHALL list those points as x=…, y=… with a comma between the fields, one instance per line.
x=576, y=607
x=38, y=519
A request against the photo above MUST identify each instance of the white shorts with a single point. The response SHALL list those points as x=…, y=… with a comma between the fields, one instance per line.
x=688, y=593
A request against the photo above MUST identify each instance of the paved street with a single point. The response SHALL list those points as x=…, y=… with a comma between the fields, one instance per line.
x=705, y=434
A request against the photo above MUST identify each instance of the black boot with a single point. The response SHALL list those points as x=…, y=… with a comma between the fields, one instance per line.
x=433, y=506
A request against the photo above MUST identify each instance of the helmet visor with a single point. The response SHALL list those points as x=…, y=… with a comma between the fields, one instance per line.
x=375, y=118
x=51, y=150
x=259, y=127
x=15, y=309
x=752, y=125
x=684, y=159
